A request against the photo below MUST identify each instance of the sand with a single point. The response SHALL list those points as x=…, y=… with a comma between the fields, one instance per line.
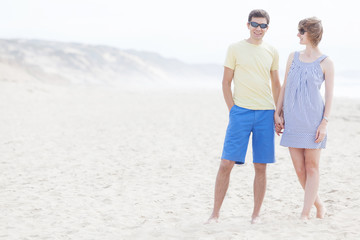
x=109, y=163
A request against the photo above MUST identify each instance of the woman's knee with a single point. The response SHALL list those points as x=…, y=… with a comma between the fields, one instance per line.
x=300, y=171
x=312, y=158
x=312, y=169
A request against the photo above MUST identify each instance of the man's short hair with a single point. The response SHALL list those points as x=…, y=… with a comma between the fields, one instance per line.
x=259, y=13
x=314, y=29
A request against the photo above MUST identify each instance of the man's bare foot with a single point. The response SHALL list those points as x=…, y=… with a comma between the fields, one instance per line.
x=320, y=212
x=214, y=218
x=255, y=220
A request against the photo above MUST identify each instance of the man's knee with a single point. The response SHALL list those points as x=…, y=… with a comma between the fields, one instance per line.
x=260, y=168
x=226, y=165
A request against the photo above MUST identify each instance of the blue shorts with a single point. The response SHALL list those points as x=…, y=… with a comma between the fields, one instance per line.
x=242, y=122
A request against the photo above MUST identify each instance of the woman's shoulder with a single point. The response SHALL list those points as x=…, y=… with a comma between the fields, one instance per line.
x=327, y=63
x=291, y=56
x=327, y=59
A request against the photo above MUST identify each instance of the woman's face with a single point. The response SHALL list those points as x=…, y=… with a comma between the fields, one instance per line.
x=303, y=36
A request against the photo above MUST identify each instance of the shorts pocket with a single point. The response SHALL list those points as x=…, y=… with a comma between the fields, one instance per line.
x=232, y=108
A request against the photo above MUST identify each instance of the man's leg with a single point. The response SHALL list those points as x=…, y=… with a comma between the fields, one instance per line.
x=235, y=146
x=263, y=140
x=298, y=159
x=221, y=186
x=259, y=189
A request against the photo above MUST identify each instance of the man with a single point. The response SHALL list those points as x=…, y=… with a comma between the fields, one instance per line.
x=251, y=63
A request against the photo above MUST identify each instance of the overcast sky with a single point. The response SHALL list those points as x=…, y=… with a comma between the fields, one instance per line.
x=190, y=30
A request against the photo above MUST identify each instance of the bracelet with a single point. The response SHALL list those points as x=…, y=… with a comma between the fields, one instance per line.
x=326, y=119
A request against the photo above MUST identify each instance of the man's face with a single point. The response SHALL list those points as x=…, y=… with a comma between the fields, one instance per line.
x=257, y=33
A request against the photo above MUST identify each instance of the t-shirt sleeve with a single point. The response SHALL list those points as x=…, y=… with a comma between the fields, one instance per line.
x=275, y=63
x=230, y=61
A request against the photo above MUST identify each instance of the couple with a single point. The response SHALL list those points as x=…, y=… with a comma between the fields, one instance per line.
x=300, y=110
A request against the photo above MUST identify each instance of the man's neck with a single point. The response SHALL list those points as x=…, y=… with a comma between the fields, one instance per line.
x=254, y=41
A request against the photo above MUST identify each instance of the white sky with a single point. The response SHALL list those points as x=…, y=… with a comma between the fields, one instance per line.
x=190, y=30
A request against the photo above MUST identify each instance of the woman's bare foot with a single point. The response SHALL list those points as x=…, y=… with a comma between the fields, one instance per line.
x=320, y=212
x=304, y=217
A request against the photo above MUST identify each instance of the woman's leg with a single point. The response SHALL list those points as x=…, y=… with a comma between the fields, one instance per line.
x=312, y=158
x=298, y=159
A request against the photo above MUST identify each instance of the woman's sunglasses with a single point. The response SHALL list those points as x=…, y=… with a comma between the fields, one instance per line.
x=302, y=31
x=255, y=25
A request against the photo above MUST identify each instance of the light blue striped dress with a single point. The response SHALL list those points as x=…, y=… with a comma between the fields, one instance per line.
x=303, y=105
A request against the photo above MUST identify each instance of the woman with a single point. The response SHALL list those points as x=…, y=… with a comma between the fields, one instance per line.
x=306, y=116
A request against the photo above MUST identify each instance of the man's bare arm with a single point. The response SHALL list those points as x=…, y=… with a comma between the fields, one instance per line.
x=226, y=87
x=275, y=85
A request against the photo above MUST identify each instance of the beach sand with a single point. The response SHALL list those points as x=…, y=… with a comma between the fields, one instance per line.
x=109, y=163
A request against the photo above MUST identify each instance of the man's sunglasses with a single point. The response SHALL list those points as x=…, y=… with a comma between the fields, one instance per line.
x=302, y=31
x=255, y=25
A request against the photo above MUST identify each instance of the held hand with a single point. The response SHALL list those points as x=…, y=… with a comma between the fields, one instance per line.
x=279, y=123
x=278, y=130
x=321, y=132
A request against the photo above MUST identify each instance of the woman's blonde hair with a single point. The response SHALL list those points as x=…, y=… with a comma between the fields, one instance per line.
x=314, y=29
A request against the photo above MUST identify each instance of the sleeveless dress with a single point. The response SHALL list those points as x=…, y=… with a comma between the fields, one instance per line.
x=303, y=105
